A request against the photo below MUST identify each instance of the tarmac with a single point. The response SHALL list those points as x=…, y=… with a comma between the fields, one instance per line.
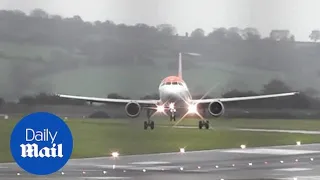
x=296, y=162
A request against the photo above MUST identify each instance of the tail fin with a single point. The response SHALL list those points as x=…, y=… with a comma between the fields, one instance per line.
x=180, y=66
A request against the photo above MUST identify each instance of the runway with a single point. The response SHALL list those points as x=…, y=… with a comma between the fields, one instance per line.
x=281, y=162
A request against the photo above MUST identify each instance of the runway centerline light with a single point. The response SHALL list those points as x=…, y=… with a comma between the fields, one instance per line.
x=243, y=146
x=298, y=143
x=115, y=154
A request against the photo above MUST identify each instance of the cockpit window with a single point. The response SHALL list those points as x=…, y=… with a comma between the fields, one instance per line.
x=180, y=84
x=174, y=83
x=168, y=83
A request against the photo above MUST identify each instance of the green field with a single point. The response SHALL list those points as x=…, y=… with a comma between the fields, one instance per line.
x=101, y=137
x=296, y=124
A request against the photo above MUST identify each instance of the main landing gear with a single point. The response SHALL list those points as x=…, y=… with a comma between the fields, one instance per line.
x=204, y=123
x=148, y=123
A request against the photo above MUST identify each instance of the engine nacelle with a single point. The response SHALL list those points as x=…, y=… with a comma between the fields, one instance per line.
x=216, y=108
x=133, y=109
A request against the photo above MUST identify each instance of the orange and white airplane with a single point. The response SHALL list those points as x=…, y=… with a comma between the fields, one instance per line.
x=174, y=94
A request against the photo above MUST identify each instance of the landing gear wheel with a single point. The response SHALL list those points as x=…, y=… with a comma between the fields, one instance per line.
x=204, y=123
x=148, y=123
x=145, y=125
x=200, y=124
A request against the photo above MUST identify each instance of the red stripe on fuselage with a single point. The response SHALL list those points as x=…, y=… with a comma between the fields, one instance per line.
x=172, y=79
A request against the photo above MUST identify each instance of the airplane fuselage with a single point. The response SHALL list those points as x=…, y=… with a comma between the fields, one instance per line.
x=173, y=89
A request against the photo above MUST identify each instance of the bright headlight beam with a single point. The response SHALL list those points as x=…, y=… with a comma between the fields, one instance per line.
x=160, y=108
x=171, y=106
x=192, y=108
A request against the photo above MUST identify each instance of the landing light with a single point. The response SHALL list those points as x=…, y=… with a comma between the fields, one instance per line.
x=182, y=150
x=160, y=108
x=192, y=108
x=171, y=106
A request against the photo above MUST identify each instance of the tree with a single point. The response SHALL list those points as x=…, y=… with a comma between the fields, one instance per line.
x=2, y=102
x=197, y=33
x=280, y=35
x=167, y=29
x=234, y=33
x=218, y=34
x=251, y=34
x=39, y=13
x=275, y=86
x=315, y=35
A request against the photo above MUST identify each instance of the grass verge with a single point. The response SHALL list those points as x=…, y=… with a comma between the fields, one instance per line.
x=99, y=138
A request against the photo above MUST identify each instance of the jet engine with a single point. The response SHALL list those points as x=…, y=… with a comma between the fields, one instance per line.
x=133, y=109
x=216, y=108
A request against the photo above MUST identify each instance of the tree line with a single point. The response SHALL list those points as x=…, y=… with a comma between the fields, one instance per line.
x=304, y=100
x=105, y=43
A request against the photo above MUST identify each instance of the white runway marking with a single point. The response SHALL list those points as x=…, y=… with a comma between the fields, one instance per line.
x=294, y=169
x=157, y=168
x=256, y=130
x=271, y=151
x=277, y=130
x=106, y=178
x=149, y=163
x=302, y=178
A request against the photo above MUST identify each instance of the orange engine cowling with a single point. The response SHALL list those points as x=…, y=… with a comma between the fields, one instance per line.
x=216, y=108
x=133, y=109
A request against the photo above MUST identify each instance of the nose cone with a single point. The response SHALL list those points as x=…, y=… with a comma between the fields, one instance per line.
x=171, y=94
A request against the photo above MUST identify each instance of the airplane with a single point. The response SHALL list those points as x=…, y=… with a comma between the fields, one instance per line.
x=174, y=94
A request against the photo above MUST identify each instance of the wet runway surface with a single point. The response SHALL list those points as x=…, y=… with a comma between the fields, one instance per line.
x=282, y=162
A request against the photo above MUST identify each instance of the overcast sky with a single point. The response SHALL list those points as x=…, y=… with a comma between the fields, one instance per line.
x=299, y=16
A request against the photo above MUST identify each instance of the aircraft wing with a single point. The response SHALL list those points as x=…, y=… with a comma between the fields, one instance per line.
x=108, y=100
x=204, y=101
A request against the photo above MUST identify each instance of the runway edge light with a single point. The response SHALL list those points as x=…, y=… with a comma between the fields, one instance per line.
x=115, y=154
x=298, y=143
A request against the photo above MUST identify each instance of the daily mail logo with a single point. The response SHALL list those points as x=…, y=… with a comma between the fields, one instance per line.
x=32, y=150
x=42, y=139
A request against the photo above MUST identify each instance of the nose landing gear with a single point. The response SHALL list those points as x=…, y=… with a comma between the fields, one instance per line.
x=173, y=115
